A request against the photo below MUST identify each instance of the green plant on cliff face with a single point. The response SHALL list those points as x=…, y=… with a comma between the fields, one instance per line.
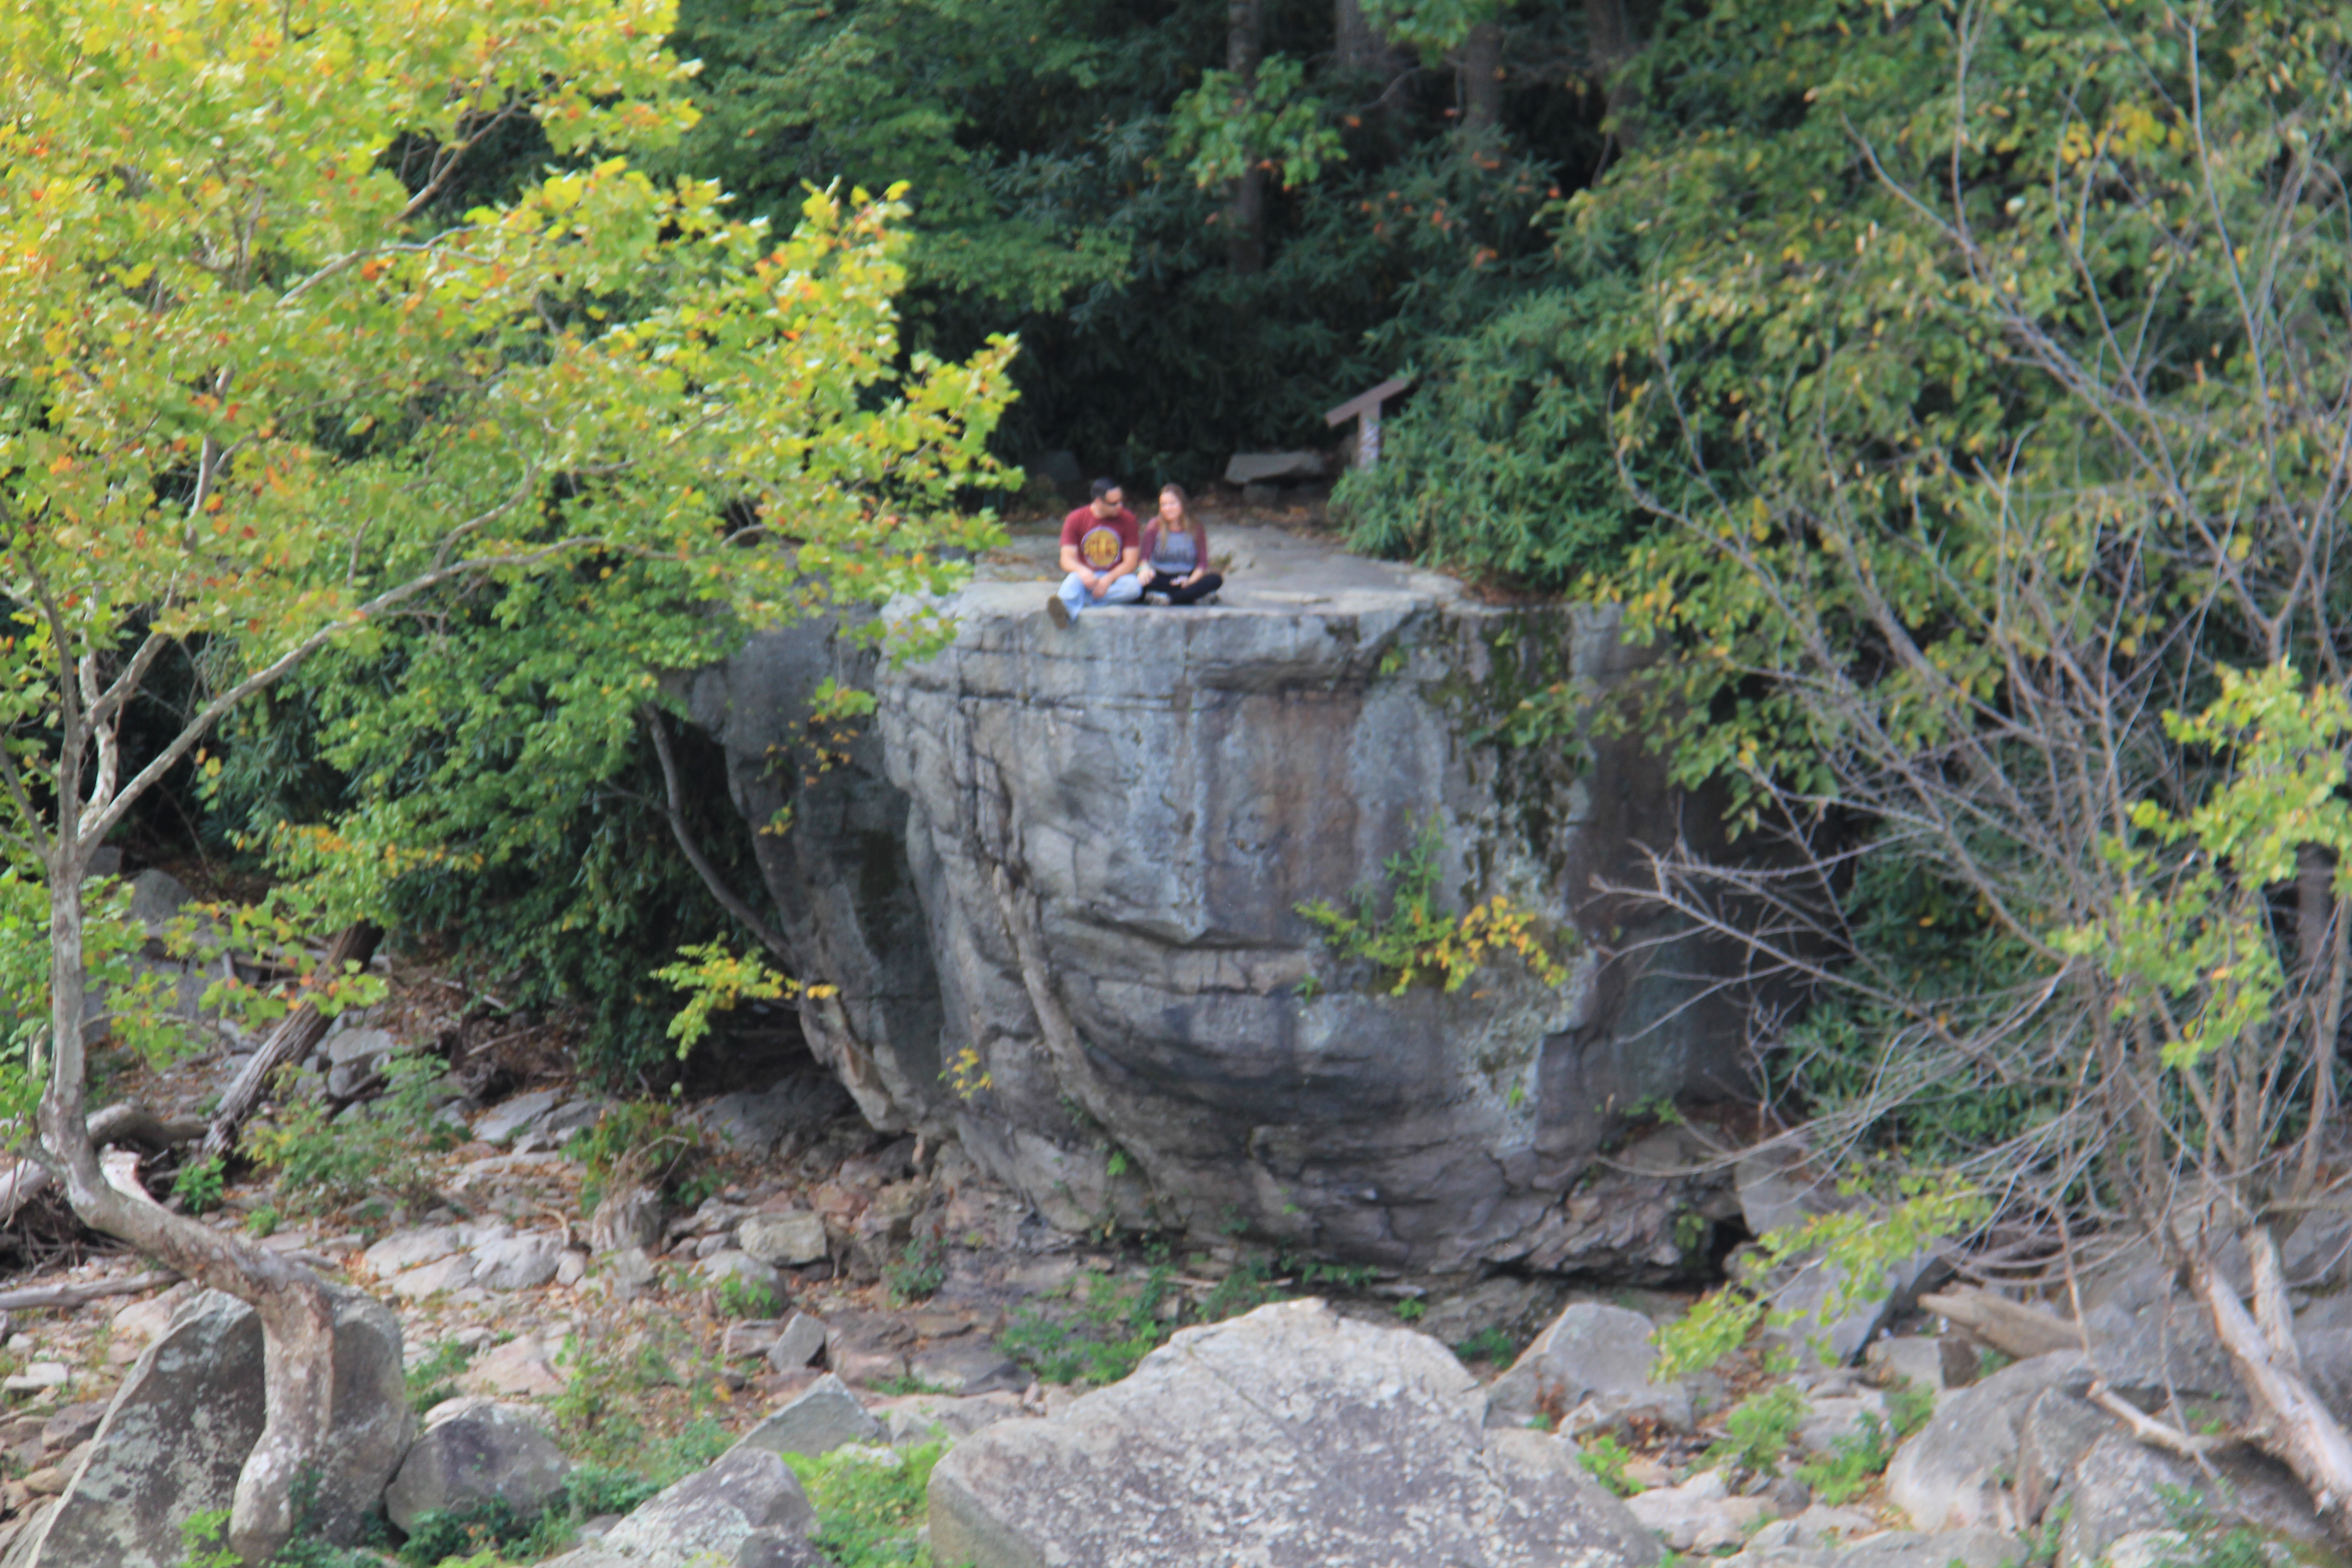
x=1417, y=941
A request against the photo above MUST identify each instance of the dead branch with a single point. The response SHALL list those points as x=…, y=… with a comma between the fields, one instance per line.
x=34, y=1297
x=2145, y=1428
x=297, y=1035
x=2013, y=1328
x=127, y=1122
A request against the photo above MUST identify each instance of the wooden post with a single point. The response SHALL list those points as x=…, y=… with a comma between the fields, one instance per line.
x=1365, y=410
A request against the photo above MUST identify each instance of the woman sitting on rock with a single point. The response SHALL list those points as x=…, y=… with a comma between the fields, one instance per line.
x=1176, y=553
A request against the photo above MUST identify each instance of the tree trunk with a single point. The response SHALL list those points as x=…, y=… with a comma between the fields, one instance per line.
x=1362, y=50
x=297, y=1035
x=1359, y=46
x=1245, y=205
x=1481, y=78
x=297, y=1317
x=1610, y=36
x=2290, y=1422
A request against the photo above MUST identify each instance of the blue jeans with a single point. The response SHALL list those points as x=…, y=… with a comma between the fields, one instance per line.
x=1124, y=590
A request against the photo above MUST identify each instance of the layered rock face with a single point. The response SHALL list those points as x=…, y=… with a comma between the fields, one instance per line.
x=1057, y=881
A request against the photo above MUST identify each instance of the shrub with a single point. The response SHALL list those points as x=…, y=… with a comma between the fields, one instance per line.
x=323, y=1164
x=643, y=1142
x=1759, y=1431
x=433, y=1379
x=1099, y=1338
x=1845, y=1471
x=870, y=1506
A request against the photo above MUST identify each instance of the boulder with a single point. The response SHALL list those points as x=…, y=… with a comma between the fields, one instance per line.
x=629, y=1217
x=405, y=1249
x=1087, y=856
x=1289, y=1438
x=517, y=1262
x=438, y=1277
x=1590, y=1367
x=475, y=1450
x=355, y=1059
x=178, y=1431
x=942, y=1418
x=2120, y=1487
x=523, y=1367
x=502, y=1122
x=1272, y=468
x=972, y=1365
x=1700, y=1515
x=817, y=1420
x=1954, y=1472
x=745, y=1511
x=799, y=1341
x=1888, y=1549
x=783, y=1240
x=765, y=1285
x=2056, y=1429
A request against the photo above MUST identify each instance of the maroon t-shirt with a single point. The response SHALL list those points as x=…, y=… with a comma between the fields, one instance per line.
x=1101, y=541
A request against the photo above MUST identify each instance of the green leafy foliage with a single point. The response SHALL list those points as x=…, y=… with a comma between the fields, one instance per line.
x=870, y=1505
x=1760, y=1432
x=716, y=980
x=642, y=1143
x=1853, y=1463
x=376, y=1153
x=1055, y=150
x=1226, y=126
x=1860, y=1245
x=435, y=1378
x=199, y=1183
x=1490, y=1344
x=741, y=1297
x=1416, y=940
x=1605, y=1459
x=1908, y=1407
x=598, y=1413
x=919, y=1270
x=1097, y=1336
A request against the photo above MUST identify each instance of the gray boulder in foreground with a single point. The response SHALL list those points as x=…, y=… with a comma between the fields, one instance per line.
x=1955, y=1472
x=182, y=1423
x=1289, y=1438
x=817, y=1420
x=745, y=1511
x=481, y=1450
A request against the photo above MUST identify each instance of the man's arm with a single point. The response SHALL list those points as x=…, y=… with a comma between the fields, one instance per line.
x=1130, y=557
x=1073, y=562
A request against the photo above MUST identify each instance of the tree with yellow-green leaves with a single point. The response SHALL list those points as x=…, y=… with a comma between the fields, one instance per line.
x=263, y=394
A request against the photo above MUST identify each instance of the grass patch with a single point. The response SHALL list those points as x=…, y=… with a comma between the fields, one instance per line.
x=869, y=1504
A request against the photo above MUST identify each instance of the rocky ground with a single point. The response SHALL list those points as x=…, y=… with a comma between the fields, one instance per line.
x=765, y=1282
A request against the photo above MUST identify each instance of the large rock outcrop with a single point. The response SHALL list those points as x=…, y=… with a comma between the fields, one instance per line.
x=1057, y=882
x=1291, y=1437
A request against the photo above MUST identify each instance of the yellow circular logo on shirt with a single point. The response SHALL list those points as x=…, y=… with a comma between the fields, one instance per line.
x=1100, y=547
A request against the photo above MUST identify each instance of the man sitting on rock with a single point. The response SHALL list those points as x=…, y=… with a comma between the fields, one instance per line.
x=1101, y=548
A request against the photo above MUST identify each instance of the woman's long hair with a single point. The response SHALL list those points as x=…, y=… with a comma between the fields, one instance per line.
x=1183, y=509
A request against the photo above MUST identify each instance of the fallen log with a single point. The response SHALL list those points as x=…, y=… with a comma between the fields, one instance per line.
x=297, y=1035
x=2013, y=1328
x=128, y=1123
x=36, y=1297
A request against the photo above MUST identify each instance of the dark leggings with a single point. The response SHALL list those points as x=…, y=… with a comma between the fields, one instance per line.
x=1209, y=584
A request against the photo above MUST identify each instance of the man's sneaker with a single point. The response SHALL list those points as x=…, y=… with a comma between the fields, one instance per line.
x=1057, y=610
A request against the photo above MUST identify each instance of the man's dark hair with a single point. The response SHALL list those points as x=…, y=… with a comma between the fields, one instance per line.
x=1104, y=488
